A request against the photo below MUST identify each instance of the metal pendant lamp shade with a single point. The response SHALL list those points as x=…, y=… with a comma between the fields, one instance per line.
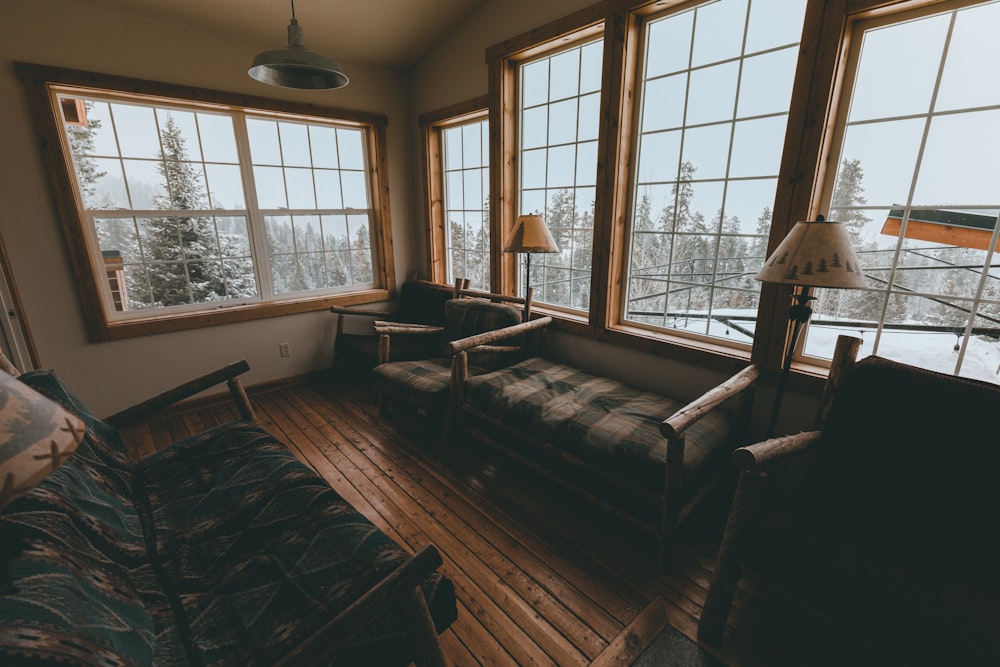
x=296, y=66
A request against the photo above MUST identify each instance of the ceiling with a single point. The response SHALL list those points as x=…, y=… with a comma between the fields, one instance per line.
x=386, y=33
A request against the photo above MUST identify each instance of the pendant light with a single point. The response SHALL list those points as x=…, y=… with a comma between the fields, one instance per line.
x=296, y=66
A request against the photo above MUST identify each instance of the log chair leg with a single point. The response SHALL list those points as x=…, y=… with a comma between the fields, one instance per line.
x=671, y=503
x=453, y=423
x=241, y=399
x=746, y=502
x=423, y=635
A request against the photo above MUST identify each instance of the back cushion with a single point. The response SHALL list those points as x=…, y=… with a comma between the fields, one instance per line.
x=912, y=454
x=468, y=317
x=423, y=303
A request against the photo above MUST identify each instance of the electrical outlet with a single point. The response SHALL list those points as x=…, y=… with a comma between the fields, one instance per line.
x=284, y=349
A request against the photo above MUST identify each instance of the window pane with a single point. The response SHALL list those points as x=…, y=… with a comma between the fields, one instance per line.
x=137, y=130
x=704, y=189
x=225, y=186
x=264, y=145
x=294, y=145
x=923, y=221
x=270, y=183
x=351, y=149
x=712, y=93
x=898, y=69
x=323, y=147
x=774, y=23
x=217, y=139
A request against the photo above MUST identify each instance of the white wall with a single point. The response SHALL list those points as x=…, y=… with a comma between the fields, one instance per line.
x=113, y=375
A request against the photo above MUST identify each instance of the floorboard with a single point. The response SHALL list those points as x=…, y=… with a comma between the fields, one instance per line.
x=541, y=579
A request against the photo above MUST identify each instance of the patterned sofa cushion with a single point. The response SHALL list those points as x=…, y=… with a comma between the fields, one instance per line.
x=77, y=536
x=221, y=549
x=598, y=419
x=258, y=567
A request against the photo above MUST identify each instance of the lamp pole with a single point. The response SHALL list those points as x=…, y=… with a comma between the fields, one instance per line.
x=799, y=313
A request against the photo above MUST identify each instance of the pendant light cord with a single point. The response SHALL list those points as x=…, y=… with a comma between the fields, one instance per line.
x=293, y=10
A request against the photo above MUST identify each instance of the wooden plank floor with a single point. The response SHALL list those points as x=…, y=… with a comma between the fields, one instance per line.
x=540, y=578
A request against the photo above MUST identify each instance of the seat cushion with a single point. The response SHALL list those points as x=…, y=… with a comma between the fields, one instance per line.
x=599, y=420
x=259, y=567
x=424, y=383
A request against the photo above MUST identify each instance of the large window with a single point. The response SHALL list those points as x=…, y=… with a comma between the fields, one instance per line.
x=191, y=207
x=716, y=81
x=914, y=175
x=559, y=121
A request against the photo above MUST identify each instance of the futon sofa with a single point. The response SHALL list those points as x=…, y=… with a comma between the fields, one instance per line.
x=884, y=520
x=649, y=459
x=222, y=549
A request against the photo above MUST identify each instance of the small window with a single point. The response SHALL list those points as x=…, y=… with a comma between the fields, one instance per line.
x=458, y=186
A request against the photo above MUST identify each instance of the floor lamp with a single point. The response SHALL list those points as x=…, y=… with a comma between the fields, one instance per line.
x=816, y=253
x=530, y=235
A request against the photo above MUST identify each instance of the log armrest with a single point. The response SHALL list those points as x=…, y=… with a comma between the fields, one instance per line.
x=227, y=374
x=398, y=591
x=673, y=426
x=752, y=457
x=390, y=328
x=391, y=309
x=465, y=344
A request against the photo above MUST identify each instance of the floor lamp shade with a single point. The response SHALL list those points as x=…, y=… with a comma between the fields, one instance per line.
x=531, y=235
x=36, y=436
x=816, y=253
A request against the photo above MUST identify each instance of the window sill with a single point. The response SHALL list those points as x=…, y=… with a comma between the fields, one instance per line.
x=166, y=323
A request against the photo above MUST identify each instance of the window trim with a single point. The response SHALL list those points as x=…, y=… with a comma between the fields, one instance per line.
x=43, y=105
x=432, y=126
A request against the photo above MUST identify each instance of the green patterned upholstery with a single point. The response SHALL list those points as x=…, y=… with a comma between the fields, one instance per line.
x=222, y=549
x=599, y=420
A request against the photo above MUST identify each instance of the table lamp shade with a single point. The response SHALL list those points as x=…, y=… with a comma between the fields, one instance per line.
x=531, y=235
x=817, y=253
x=36, y=436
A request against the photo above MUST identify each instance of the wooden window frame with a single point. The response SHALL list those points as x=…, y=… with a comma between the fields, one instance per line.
x=38, y=80
x=432, y=126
